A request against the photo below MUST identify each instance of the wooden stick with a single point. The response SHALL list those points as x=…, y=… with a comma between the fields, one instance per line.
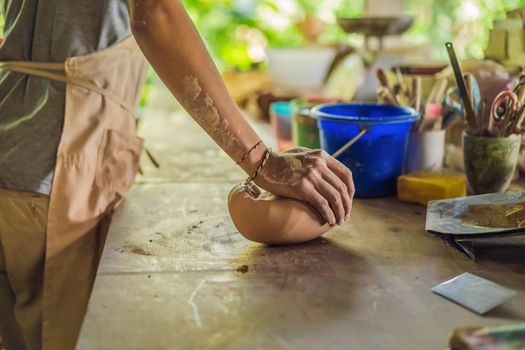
x=443, y=84
x=515, y=126
x=349, y=143
x=483, y=126
x=433, y=92
x=417, y=87
x=381, y=76
x=401, y=82
x=387, y=95
x=154, y=161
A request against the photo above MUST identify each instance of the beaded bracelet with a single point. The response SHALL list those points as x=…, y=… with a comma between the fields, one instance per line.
x=248, y=153
x=260, y=167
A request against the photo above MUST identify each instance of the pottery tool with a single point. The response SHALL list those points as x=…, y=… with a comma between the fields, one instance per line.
x=381, y=76
x=401, y=82
x=400, y=94
x=440, y=91
x=411, y=95
x=349, y=143
x=470, y=116
x=386, y=95
x=506, y=114
x=483, y=120
x=416, y=93
x=519, y=89
x=433, y=92
x=385, y=92
x=433, y=108
x=453, y=104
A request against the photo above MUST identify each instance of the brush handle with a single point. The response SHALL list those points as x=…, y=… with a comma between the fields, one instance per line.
x=417, y=91
x=440, y=93
x=381, y=76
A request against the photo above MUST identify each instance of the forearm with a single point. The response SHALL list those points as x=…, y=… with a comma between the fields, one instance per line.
x=174, y=48
x=172, y=45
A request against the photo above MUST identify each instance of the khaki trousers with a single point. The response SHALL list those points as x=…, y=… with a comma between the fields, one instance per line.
x=23, y=219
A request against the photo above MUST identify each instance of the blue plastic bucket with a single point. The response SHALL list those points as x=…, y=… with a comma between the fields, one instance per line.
x=377, y=158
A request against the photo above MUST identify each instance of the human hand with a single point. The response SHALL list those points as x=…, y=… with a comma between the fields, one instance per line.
x=312, y=176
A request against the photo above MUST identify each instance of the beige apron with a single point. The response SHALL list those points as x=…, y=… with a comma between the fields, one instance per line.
x=97, y=161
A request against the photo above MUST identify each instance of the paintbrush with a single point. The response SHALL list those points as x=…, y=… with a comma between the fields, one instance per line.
x=483, y=125
x=469, y=112
x=433, y=92
x=440, y=92
x=386, y=95
x=381, y=76
x=401, y=82
x=416, y=93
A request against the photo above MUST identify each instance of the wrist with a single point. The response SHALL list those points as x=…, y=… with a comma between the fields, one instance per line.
x=252, y=162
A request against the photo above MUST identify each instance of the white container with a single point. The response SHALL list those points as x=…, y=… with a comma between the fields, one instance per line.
x=426, y=151
x=300, y=69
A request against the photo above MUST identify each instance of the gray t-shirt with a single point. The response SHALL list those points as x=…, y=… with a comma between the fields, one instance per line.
x=32, y=108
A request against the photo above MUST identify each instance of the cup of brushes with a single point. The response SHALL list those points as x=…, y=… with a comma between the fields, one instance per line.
x=426, y=144
x=491, y=143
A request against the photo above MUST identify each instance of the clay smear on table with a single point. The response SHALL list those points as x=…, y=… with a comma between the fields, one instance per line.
x=201, y=106
x=495, y=215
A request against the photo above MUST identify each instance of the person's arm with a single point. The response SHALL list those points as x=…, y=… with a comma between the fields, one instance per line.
x=174, y=48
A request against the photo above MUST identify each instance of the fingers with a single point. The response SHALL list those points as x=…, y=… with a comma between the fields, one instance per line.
x=334, y=198
x=319, y=203
x=297, y=150
x=340, y=186
x=344, y=174
x=330, y=194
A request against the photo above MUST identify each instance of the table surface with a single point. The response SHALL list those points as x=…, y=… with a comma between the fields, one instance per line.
x=171, y=273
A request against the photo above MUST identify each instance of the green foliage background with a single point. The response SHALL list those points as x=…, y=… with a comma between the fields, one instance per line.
x=437, y=21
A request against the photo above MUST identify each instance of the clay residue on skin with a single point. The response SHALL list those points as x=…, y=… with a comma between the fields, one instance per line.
x=201, y=106
x=192, y=89
x=284, y=170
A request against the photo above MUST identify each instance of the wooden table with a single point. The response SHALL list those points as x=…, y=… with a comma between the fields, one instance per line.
x=175, y=274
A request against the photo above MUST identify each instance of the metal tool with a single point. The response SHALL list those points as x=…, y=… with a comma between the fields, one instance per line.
x=519, y=88
x=453, y=106
x=470, y=116
x=506, y=114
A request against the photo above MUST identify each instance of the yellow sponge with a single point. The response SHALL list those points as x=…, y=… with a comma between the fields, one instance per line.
x=423, y=187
